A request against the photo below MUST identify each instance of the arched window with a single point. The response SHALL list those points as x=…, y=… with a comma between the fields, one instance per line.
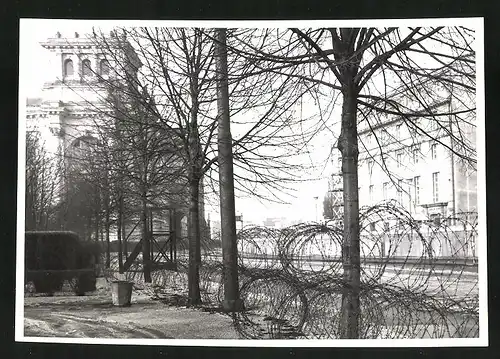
x=68, y=67
x=86, y=69
x=84, y=142
x=104, y=67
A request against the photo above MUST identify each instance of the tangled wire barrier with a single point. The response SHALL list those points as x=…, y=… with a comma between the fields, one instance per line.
x=418, y=279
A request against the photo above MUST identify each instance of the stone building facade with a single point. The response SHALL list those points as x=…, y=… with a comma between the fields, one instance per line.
x=426, y=177
x=72, y=106
x=427, y=167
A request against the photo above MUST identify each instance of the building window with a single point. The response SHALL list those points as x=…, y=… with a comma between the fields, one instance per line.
x=77, y=143
x=435, y=187
x=385, y=160
x=415, y=154
x=104, y=67
x=339, y=160
x=86, y=68
x=416, y=185
x=370, y=191
x=433, y=151
x=409, y=183
x=400, y=191
x=370, y=167
x=385, y=136
x=399, y=159
x=384, y=190
x=68, y=68
x=436, y=219
x=398, y=132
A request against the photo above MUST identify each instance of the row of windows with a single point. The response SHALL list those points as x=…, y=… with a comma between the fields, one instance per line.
x=411, y=183
x=415, y=153
x=86, y=67
x=397, y=134
x=415, y=157
x=435, y=218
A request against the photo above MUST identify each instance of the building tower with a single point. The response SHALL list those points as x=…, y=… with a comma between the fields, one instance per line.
x=72, y=105
x=336, y=193
x=72, y=102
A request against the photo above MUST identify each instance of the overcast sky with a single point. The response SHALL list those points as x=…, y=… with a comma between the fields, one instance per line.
x=35, y=62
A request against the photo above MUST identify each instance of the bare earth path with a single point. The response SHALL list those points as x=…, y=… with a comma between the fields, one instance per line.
x=94, y=316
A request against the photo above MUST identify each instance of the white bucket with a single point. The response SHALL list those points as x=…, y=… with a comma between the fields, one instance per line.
x=121, y=292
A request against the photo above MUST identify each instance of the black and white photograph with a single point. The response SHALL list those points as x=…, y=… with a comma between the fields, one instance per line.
x=252, y=183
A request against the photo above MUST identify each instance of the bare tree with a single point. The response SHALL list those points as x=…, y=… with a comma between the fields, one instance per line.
x=328, y=204
x=42, y=184
x=363, y=65
x=179, y=76
x=232, y=299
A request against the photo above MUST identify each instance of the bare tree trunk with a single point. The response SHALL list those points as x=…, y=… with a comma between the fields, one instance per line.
x=348, y=146
x=194, y=242
x=232, y=301
x=107, y=228
x=178, y=232
x=88, y=229
x=146, y=248
x=124, y=227
x=120, y=233
x=124, y=233
x=30, y=215
x=96, y=224
x=194, y=233
x=108, y=242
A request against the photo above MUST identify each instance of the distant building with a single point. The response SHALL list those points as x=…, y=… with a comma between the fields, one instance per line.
x=275, y=222
x=215, y=225
x=71, y=106
x=426, y=178
x=74, y=104
x=215, y=229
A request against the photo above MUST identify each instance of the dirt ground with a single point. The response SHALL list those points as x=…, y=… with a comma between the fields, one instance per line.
x=94, y=316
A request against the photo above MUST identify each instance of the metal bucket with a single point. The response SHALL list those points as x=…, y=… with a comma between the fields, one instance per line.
x=121, y=292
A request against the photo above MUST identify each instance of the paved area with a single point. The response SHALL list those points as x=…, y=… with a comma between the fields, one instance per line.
x=94, y=316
